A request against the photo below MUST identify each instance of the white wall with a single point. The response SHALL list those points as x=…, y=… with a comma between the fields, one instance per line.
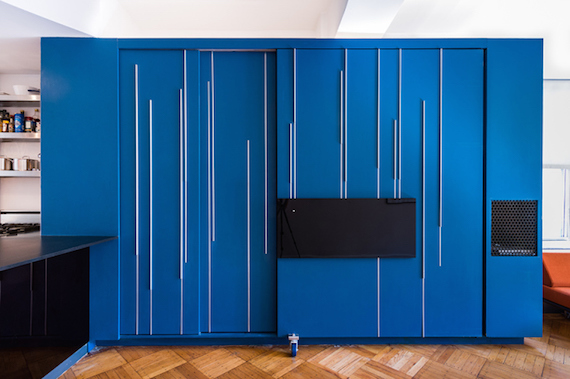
x=556, y=123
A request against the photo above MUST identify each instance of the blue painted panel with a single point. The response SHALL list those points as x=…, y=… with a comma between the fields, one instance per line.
x=159, y=310
x=239, y=117
x=400, y=279
x=318, y=123
x=362, y=123
x=79, y=150
x=514, y=172
x=456, y=287
x=388, y=113
x=327, y=297
x=104, y=289
x=284, y=119
x=191, y=295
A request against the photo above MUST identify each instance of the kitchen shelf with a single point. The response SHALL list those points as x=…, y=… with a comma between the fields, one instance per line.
x=20, y=137
x=20, y=101
x=19, y=174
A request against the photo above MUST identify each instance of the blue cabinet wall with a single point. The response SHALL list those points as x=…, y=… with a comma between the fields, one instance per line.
x=447, y=122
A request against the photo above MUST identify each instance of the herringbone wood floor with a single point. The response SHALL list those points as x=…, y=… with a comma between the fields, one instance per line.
x=546, y=357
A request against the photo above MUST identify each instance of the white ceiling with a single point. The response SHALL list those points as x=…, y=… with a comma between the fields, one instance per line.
x=25, y=21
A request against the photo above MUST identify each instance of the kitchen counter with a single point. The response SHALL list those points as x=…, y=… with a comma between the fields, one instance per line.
x=31, y=247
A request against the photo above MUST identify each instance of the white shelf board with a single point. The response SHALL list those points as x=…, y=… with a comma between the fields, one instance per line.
x=20, y=137
x=11, y=98
x=19, y=174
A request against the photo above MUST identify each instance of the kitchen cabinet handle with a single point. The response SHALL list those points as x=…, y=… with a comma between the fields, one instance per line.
x=291, y=160
x=423, y=188
x=378, y=294
x=181, y=180
x=399, y=160
x=294, y=123
x=209, y=209
x=395, y=172
x=378, y=131
x=399, y=123
x=248, y=241
x=266, y=210
x=185, y=161
x=345, y=122
x=31, y=296
x=150, y=216
x=213, y=153
x=137, y=202
x=46, y=297
x=440, y=149
x=341, y=130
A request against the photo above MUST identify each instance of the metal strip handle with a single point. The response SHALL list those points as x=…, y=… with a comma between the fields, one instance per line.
x=137, y=202
x=294, y=123
x=399, y=123
x=266, y=210
x=181, y=179
x=423, y=188
x=378, y=292
x=440, y=149
x=341, y=130
x=395, y=172
x=378, y=133
x=46, y=296
x=248, y=242
x=150, y=215
x=400, y=160
x=345, y=123
x=209, y=209
x=185, y=161
x=291, y=160
x=213, y=155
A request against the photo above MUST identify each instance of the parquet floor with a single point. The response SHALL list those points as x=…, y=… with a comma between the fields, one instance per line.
x=546, y=357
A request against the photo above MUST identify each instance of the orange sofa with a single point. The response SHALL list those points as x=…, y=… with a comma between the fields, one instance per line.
x=556, y=278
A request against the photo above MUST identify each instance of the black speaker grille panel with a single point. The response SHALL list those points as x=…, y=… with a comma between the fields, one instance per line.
x=514, y=227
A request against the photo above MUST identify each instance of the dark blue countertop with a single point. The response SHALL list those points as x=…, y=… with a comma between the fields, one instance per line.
x=27, y=248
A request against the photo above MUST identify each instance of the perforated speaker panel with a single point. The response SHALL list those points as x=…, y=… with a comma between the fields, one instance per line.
x=514, y=227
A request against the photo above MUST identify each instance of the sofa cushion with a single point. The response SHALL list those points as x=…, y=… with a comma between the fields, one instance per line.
x=558, y=295
x=556, y=269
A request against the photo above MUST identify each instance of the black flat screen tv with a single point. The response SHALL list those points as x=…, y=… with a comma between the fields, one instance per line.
x=346, y=228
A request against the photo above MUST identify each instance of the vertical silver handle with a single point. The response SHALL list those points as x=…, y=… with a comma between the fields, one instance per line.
x=137, y=201
x=294, y=123
x=266, y=210
x=399, y=123
x=209, y=209
x=345, y=123
x=400, y=160
x=248, y=241
x=378, y=132
x=341, y=130
x=213, y=153
x=378, y=294
x=291, y=160
x=181, y=179
x=150, y=215
x=395, y=172
x=440, y=149
x=423, y=188
x=185, y=161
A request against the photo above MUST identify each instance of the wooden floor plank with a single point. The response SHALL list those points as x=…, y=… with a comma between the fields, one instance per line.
x=98, y=363
x=308, y=370
x=436, y=370
x=157, y=363
x=217, y=362
x=496, y=370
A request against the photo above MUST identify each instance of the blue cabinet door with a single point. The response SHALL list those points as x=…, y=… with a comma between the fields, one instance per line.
x=334, y=88
x=317, y=135
x=412, y=76
x=454, y=275
x=150, y=277
x=238, y=191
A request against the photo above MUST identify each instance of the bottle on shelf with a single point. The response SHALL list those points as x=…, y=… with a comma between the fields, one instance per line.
x=37, y=123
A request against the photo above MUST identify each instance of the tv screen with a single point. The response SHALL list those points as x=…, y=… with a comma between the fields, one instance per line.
x=346, y=228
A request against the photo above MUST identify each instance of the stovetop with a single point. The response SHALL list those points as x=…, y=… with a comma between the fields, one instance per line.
x=15, y=229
